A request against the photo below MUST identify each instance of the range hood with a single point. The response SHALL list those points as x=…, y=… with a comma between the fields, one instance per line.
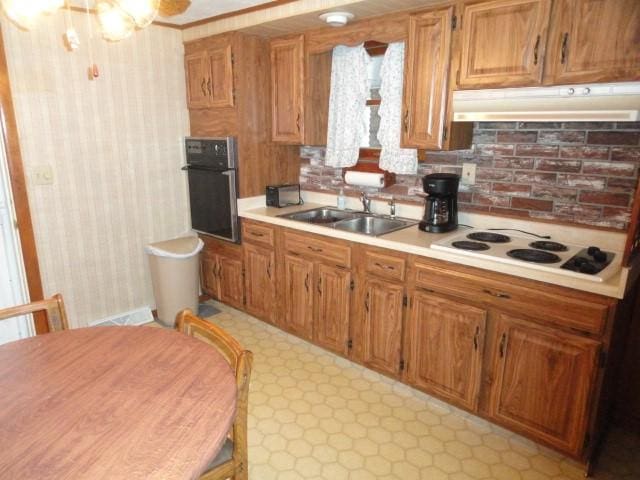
x=603, y=102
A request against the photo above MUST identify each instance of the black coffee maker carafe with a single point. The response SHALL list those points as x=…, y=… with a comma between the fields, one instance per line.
x=441, y=208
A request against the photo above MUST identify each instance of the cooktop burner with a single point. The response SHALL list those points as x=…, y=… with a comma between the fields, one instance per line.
x=534, y=256
x=549, y=246
x=466, y=245
x=489, y=237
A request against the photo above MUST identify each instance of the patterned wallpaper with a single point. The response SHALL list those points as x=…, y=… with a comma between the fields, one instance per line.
x=115, y=147
x=583, y=173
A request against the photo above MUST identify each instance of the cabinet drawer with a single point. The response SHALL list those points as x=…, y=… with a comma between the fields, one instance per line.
x=558, y=307
x=258, y=233
x=328, y=251
x=385, y=266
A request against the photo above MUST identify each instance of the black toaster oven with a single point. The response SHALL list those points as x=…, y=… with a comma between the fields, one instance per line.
x=283, y=195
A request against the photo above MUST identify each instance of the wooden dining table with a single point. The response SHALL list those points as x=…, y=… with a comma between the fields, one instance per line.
x=112, y=402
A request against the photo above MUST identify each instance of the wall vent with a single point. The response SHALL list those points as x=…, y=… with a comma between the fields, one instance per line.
x=133, y=317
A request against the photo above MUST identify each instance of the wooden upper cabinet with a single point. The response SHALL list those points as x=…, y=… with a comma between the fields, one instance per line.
x=445, y=344
x=219, y=62
x=503, y=43
x=427, y=62
x=331, y=327
x=194, y=65
x=381, y=328
x=209, y=76
x=594, y=41
x=543, y=380
x=287, y=89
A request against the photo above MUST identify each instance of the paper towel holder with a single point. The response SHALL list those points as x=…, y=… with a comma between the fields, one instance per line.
x=389, y=178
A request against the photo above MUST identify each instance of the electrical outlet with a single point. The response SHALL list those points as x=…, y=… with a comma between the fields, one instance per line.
x=468, y=173
x=42, y=175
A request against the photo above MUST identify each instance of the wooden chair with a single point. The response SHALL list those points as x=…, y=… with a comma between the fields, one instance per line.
x=54, y=307
x=231, y=461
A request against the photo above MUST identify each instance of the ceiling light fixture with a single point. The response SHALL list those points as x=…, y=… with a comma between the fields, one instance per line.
x=24, y=13
x=337, y=19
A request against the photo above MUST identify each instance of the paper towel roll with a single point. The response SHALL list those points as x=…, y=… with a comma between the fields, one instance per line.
x=364, y=179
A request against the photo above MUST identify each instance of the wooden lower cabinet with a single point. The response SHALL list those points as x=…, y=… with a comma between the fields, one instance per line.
x=445, y=347
x=331, y=319
x=230, y=284
x=381, y=328
x=298, y=296
x=477, y=339
x=259, y=282
x=221, y=277
x=543, y=382
x=208, y=270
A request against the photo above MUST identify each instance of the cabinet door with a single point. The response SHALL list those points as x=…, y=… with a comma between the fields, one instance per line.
x=219, y=63
x=427, y=62
x=298, y=294
x=196, y=72
x=331, y=326
x=503, y=43
x=543, y=380
x=208, y=271
x=446, y=341
x=287, y=88
x=259, y=281
x=594, y=41
x=382, y=325
x=231, y=286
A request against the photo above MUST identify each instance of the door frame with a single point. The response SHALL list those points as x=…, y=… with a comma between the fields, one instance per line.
x=17, y=180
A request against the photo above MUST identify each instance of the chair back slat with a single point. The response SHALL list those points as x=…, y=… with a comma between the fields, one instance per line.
x=54, y=308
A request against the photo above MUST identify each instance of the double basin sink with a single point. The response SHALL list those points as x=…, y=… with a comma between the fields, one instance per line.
x=351, y=221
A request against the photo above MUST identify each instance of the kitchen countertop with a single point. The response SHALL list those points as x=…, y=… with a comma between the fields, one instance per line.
x=414, y=241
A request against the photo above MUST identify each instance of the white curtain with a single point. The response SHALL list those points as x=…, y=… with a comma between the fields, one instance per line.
x=392, y=157
x=347, y=105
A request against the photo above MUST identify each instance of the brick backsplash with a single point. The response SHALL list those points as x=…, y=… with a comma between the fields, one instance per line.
x=572, y=172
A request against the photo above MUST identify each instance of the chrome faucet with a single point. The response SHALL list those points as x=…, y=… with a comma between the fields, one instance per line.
x=392, y=207
x=366, y=202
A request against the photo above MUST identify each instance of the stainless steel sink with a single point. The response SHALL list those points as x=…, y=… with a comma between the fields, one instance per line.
x=351, y=221
x=373, y=225
x=322, y=216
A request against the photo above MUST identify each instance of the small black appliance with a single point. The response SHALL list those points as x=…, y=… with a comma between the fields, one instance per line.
x=441, y=207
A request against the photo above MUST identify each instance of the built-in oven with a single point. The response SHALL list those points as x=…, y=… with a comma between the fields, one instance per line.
x=211, y=169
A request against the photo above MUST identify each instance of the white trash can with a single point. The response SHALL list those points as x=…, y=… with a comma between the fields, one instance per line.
x=175, y=276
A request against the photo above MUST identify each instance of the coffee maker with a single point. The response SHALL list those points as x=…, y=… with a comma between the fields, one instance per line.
x=441, y=207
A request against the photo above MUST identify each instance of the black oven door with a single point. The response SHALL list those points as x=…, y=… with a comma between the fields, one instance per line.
x=213, y=199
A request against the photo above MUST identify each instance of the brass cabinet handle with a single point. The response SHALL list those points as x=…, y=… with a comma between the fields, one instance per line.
x=209, y=86
x=217, y=269
x=306, y=283
x=269, y=270
x=257, y=234
x=535, y=51
x=298, y=122
x=386, y=267
x=476, y=338
x=319, y=286
x=503, y=341
x=314, y=249
x=406, y=120
x=563, y=50
x=366, y=302
x=202, y=85
x=496, y=294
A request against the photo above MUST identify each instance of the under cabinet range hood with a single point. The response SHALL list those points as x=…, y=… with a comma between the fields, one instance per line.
x=604, y=102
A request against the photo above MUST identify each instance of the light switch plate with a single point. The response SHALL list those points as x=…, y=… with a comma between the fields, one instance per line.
x=42, y=174
x=468, y=173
